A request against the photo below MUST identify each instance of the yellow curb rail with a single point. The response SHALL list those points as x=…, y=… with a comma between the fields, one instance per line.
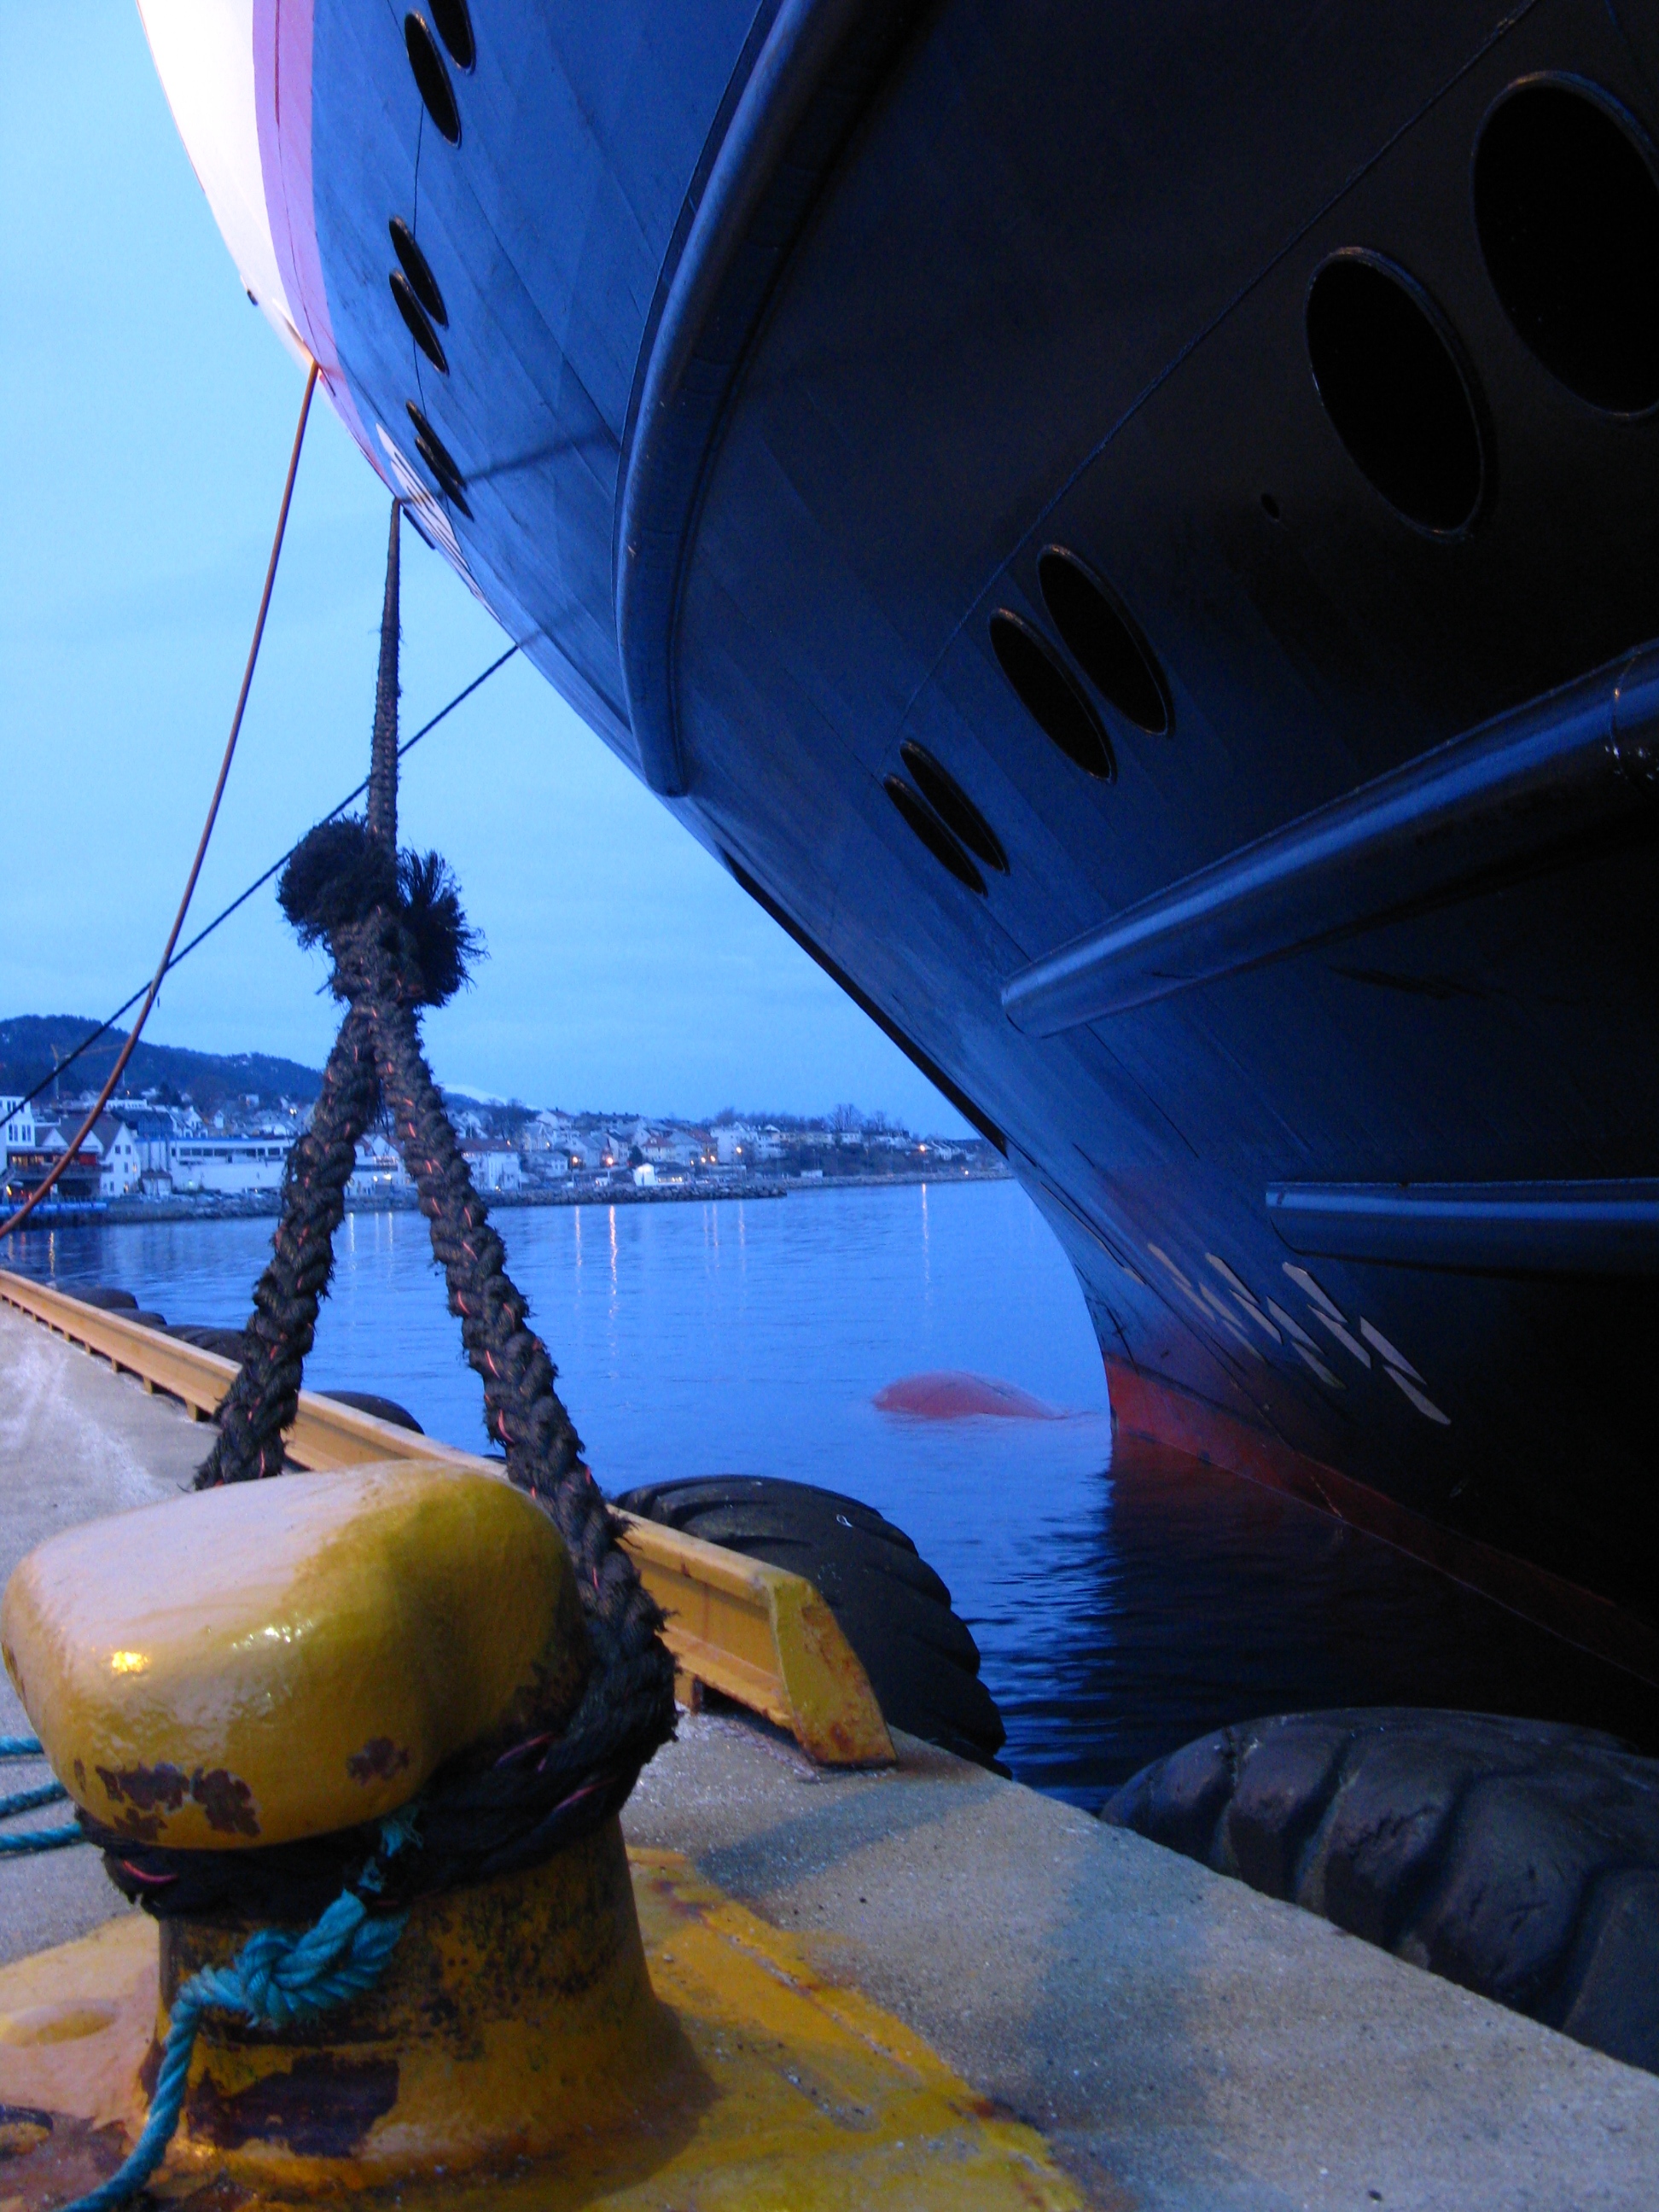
x=754, y=1633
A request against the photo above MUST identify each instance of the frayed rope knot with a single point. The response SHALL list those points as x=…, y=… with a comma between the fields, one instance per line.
x=277, y=1978
x=341, y=880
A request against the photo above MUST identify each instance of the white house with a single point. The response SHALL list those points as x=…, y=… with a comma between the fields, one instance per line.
x=549, y=1131
x=228, y=1164
x=154, y=1133
x=120, y=1157
x=379, y=1171
x=494, y=1163
x=19, y=1135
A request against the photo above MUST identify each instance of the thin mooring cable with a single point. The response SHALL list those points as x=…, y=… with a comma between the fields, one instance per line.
x=45, y=1190
x=257, y=885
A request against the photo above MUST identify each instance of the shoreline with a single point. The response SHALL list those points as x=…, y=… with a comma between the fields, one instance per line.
x=264, y=1205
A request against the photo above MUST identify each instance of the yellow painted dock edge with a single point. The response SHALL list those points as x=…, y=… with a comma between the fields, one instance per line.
x=756, y=1633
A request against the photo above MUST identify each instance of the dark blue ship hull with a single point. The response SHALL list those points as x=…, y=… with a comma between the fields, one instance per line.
x=1179, y=424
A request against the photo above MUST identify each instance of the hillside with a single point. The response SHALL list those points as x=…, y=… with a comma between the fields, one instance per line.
x=28, y=1043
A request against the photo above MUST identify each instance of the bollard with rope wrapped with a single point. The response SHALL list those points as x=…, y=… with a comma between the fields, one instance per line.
x=539, y=1774
x=393, y=924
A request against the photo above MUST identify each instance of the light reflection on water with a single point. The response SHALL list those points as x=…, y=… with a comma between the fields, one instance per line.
x=1120, y=1611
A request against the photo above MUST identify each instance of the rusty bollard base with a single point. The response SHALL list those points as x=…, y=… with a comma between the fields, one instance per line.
x=757, y=2085
x=510, y=2012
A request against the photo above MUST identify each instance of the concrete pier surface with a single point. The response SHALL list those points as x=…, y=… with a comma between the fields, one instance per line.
x=1182, y=2042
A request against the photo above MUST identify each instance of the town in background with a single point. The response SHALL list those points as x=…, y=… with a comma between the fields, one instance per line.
x=157, y=1152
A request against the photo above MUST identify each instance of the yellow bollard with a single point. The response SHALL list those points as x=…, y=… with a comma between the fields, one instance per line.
x=277, y=1660
x=512, y=2016
x=289, y=1660
x=281, y=1661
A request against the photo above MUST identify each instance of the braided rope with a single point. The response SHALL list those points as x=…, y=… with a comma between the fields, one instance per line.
x=628, y=1707
x=25, y=1801
x=28, y=1801
x=275, y=1978
x=265, y=1399
x=40, y=1839
x=393, y=924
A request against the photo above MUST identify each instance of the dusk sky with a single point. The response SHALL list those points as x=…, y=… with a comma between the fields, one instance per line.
x=149, y=412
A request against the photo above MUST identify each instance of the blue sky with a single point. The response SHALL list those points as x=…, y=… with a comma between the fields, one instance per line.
x=148, y=414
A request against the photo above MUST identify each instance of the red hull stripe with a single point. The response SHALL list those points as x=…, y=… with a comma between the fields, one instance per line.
x=1161, y=1413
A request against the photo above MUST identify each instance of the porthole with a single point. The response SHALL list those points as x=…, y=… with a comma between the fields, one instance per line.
x=933, y=833
x=432, y=77
x=445, y=460
x=451, y=490
x=420, y=326
x=439, y=459
x=1104, y=643
x=953, y=806
x=1050, y=697
x=446, y=483
x=422, y=282
x=1567, y=210
x=455, y=29
x=1394, y=391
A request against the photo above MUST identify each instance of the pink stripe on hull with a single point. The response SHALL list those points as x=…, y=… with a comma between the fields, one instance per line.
x=282, y=92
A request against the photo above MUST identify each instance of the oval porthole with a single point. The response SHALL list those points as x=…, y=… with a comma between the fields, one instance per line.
x=439, y=459
x=953, y=806
x=455, y=29
x=422, y=282
x=1050, y=697
x=446, y=483
x=451, y=490
x=1394, y=391
x=933, y=833
x=1566, y=208
x=1104, y=643
x=419, y=324
x=432, y=77
x=444, y=459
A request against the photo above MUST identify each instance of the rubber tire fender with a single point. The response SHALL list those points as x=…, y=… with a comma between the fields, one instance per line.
x=891, y=1606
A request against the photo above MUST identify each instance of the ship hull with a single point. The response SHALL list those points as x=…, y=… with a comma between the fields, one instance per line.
x=780, y=351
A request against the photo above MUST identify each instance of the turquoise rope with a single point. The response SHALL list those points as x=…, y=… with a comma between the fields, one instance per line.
x=275, y=1979
x=25, y=1801
x=39, y=1839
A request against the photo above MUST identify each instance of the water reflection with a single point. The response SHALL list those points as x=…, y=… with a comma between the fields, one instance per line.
x=1188, y=1598
x=1121, y=1607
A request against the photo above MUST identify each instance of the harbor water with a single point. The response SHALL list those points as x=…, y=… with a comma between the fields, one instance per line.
x=1120, y=1607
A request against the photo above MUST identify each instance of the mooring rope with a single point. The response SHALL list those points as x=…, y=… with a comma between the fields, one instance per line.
x=393, y=923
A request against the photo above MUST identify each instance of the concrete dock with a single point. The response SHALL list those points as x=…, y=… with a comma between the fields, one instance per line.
x=1180, y=2041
